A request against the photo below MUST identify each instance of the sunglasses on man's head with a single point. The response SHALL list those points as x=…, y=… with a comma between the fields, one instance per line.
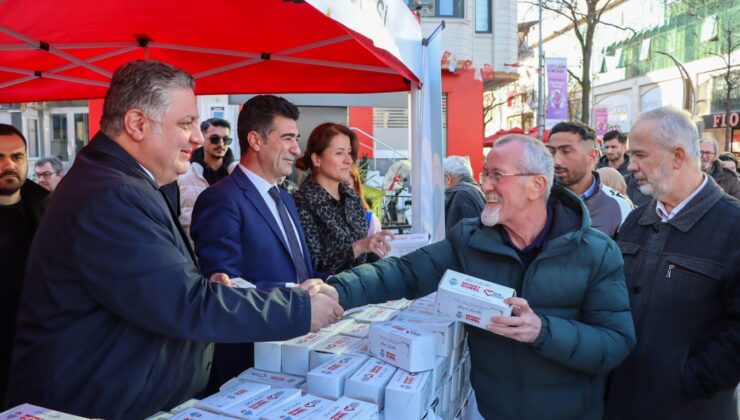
x=215, y=139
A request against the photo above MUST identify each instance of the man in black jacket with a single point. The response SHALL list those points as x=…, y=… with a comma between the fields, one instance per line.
x=681, y=265
x=115, y=320
x=22, y=203
x=463, y=197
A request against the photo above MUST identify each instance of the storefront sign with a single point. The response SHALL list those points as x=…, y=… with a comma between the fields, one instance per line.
x=722, y=120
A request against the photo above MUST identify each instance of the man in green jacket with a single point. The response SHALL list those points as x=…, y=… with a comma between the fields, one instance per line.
x=571, y=324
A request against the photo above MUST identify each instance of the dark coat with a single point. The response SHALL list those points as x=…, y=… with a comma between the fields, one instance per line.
x=726, y=178
x=575, y=285
x=463, y=200
x=683, y=278
x=604, y=162
x=247, y=241
x=115, y=319
x=35, y=199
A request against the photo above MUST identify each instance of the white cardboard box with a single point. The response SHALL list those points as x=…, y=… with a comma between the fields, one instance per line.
x=253, y=408
x=356, y=329
x=339, y=344
x=193, y=413
x=30, y=411
x=361, y=348
x=274, y=379
x=369, y=382
x=159, y=415
x=375, y=314
x=336, y=327
x=403, y=345
x=404, y=243
x=229, y=396
x=267, y=356
x=184, y=406
x=395, y=304
x=295, y=352
x=350, y=409
x=306, y=407
x=472, y=300
x=328, y=379
x=407, y=394
x=443, y=329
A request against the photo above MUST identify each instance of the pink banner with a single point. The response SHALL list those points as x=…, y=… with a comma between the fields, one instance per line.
x=601, y=120
x=557, y=89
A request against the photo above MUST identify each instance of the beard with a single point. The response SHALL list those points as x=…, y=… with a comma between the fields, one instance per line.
x=706, y=166
x=659, y=186
x=10, y=188
x=490, y=216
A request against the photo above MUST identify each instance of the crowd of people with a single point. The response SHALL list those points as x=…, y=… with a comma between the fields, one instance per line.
x=126, y=287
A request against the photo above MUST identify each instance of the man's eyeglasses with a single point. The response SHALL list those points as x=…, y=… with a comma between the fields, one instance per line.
x=496, y=176
x=44, y=175
x=215, y=139
x=707, y=153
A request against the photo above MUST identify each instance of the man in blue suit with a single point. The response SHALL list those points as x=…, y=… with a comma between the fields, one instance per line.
x=115, y=319
x=245, y=225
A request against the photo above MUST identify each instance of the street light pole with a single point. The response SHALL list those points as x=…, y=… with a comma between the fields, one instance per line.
x=541, y=80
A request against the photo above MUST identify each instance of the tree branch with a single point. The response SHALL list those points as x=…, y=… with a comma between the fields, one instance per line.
x=573, y=75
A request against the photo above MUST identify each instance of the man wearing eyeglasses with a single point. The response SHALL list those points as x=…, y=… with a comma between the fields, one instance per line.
x=710, y=165
x=48, y=172
x=22, y=203
x=209, y=164
x=571, y=323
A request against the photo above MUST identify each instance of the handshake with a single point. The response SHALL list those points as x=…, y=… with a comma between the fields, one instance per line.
x=325, y=308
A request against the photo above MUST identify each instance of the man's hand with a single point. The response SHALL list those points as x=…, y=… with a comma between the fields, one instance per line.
x=221, y=278
x=524, y=326
x=324, y=311
x=316, y=286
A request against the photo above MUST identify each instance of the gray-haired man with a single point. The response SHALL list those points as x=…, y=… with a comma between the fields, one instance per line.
x=48, y=172
x=681, y=263
x=116, y=320
x=463, y=196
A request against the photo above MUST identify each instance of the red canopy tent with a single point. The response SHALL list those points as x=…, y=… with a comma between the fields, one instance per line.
x=68, y=49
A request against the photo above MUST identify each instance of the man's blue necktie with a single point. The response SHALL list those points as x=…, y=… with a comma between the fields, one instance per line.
x=295, y=249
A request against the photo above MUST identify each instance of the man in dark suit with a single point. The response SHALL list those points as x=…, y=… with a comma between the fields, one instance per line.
x=115, y=319
x=237, y=225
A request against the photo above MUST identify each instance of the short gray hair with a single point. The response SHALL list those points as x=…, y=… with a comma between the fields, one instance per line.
x=54, y=161
x=458, y=167
x=674, y=128
x=536, y=158
x=145, y=85
x=713, y=142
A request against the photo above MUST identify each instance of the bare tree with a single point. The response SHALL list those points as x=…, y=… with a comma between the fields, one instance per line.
x=584, y=16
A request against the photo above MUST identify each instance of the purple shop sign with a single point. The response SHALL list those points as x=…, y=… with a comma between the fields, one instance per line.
x=601, y=120
x=557, y=89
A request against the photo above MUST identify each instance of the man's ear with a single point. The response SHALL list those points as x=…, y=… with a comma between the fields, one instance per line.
x=253, y=139
x=539, y=185
x=679, y=157
x=134, y=121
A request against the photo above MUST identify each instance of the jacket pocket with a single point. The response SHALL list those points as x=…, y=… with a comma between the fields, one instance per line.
x=693, y=267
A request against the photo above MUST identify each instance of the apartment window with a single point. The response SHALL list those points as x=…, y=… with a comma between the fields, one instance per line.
x=483, y=16
x=438, y=8
x=32, y=137
x=59, y=136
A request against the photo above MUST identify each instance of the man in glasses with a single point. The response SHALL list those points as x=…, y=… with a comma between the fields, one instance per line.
x=209, y=164
x=711, y=165
x=48, y=172
x=22, y=203
x=571, y=323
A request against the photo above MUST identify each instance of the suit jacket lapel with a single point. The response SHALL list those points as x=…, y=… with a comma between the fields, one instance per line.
x=254, y=197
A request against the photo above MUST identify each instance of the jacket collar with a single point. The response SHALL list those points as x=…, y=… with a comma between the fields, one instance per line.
x=692, y=213
x=570, y=222
x=101, y=143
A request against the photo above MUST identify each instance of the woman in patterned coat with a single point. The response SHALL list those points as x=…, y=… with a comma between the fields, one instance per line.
x=332, y=214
